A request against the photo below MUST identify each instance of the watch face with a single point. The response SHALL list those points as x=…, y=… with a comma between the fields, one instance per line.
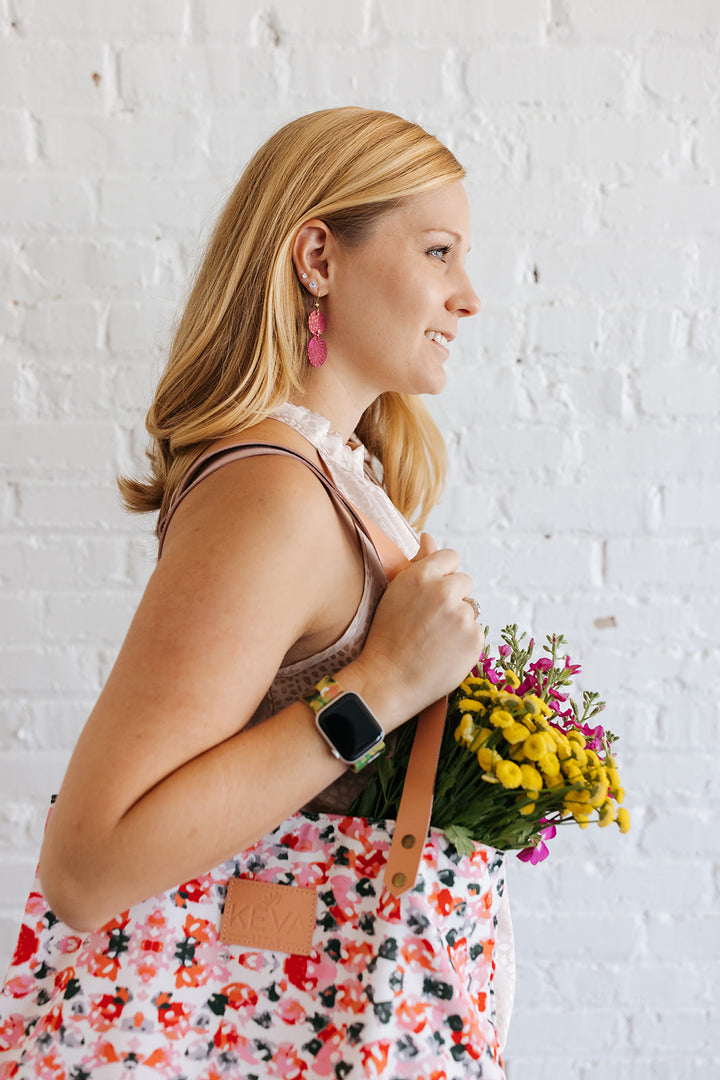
x=350, y=727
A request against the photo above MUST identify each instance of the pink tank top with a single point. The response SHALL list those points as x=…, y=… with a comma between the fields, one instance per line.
x=294, y=679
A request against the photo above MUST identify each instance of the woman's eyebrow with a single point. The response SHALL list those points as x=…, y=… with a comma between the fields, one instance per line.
x=451, y=232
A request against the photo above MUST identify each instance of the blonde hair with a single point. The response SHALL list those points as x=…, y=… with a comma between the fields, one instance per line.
x=239, y=349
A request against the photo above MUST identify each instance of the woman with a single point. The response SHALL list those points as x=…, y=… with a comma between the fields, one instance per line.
x=200, y=744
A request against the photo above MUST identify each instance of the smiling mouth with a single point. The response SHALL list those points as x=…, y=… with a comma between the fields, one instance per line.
x=435, y=335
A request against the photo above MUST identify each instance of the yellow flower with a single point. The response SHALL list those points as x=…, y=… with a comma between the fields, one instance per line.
x=534, y=747
x=613, y=777
x=562, y=744
x=528, y=808
x=578, y=800
x=619, y=794
x=623, y=820
x=464, y=730
x=572, y=770
x=469, y=705
x=549, y=764
x=480, y=738
x=531, y=778
x=537, y=704
x=485, y=758
x=501, y=718
x=606, y=813
x=508, y=773
x=578, y=753
x=512, y=678
x=592, y=756
x=598, y=794
x=554, y=781
x=515, y=733
x=576, y=736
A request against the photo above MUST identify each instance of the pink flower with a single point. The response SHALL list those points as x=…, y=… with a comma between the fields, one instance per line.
x=504, y=650
x=543, y=664
x=539, y=851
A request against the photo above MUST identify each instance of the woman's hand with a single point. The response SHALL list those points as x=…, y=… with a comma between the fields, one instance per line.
x=424, y=638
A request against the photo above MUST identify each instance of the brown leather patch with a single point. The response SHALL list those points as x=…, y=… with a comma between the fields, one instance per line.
x=262, y=915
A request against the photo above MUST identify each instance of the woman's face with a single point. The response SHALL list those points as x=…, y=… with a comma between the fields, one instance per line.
x=394, y=301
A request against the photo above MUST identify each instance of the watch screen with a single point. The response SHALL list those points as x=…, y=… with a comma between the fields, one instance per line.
x=350, y=727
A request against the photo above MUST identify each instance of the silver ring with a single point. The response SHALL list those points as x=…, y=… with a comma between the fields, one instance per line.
x=473, y=604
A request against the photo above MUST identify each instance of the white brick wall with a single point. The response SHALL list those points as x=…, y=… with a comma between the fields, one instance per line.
x=581, y=411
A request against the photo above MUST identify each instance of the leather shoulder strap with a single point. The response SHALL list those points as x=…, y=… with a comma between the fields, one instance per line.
x=212, y=460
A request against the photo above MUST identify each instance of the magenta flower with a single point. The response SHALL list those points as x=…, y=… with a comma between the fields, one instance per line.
x=540, y=851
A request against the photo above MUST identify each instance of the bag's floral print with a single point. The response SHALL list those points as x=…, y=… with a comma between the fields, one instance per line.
x=393, y=988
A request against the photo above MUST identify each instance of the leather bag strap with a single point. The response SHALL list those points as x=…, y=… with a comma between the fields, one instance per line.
x=416, y=802
x=413, y=819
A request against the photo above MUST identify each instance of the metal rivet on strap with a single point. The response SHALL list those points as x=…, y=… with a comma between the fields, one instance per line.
x=398, y=880
x=408, y=840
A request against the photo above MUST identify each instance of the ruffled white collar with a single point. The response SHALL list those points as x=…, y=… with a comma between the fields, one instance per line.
x=346, y=463
x=329, y=444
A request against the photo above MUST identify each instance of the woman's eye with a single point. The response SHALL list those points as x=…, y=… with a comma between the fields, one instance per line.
x=439, y=252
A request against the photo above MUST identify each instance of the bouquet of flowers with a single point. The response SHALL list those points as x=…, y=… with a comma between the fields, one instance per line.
x=518, y=756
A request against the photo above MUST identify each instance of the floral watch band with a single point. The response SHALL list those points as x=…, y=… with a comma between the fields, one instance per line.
x=323, y=693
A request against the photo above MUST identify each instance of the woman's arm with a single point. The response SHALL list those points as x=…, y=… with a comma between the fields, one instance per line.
x=164, y=782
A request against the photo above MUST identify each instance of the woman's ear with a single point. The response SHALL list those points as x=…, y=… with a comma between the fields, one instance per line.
x=310, y=256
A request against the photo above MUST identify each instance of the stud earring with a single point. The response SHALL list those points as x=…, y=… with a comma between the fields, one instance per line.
x=304, y=277
x=317, y=348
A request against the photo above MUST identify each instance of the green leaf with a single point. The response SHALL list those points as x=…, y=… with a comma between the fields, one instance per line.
x=460, y=839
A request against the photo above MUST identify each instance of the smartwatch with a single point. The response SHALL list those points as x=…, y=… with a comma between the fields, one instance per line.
x=346, y=723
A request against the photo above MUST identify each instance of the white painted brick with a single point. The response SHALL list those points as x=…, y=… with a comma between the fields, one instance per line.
x=560, y=329
x=575, y=509
x=28, y=201
x=15, y=138
x=605, y=269
x=137, y=325
x=616, y=21
x=19, y=623
x=39, y=448
x=16, y=879
x=684, y=390
x=93, y=617
x=84, y=265
x=124, y=143
x=168, y=76
x=66, y=81
x=141, y=204
x=689, y=506
x=672, y=210
x=708, y=142
x=428, y=19
x=47, y=670
x=578, y=79
x=705, y=333
x=686, y=452
x=47, y=724
x=84, y=20
x=604, y=148
x=681, y=73
x=503, y=208
x=69, y=506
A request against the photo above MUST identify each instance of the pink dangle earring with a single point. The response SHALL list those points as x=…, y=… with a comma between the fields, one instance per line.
x=317, y=348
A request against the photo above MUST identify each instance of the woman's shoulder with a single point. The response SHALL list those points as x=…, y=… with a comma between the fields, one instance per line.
x=239, y=495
